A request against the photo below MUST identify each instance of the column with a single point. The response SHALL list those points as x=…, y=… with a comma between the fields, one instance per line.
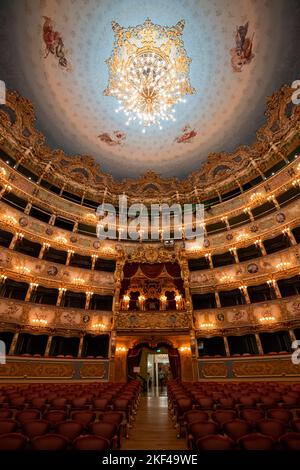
x=52, y=219
x=88, y=299
x=287, y=231
x=31, y=288
x=13, y=344
x=80, y=346
x=45, y=246
x=94, y=259
x=75, y=227
x=48, y=346
x=46, y=169
x=219, y=195
x=278, y=152
x=225, y=220
x=14, y=241
x=208, y=256
x=274, y=200
x=292, y=335
x=248, y=211
x=261, y=246
x=226, y=346
x=273, y=284
x=62, y=189
x=244, y=290
x=27, y=208
x=254, y=164
x=61, y=292
x=2, y=191
x=217, y=297
x=235, y=255
x=259, y=345
x=82, y=197
x=69, y=256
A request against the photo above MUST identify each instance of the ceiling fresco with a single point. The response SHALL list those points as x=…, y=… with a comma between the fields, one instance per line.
x=54, y=51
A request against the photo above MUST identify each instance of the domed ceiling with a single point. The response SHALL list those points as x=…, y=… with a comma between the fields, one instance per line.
x=67, y=86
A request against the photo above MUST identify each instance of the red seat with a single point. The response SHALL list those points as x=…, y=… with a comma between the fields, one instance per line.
x=35, y=428
x=59, y=403
x=7, y=426
x=214, y=442
x=252, y=415
x=193, y=416
x=107, y=430
x=295, y=424
x=222, y=416
x=281, y=414
x=70, y=429
x=290, y=441
x=256, y=441
x=115, y=417
x=200, y=429
x=27, y=415
x=49, y=442
x=6, y=414
x=79, y=402
x=100, y=404
x=268, y=402
x=83, y=417
x=91, y=442
x=38, y=402
x=237, y=428
x=227, y=402
x=55, y=416
x=12, y=441
x=271, y=427
x=206, y=403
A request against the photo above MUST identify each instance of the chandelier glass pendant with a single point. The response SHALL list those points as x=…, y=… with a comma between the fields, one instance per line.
x=148, y=72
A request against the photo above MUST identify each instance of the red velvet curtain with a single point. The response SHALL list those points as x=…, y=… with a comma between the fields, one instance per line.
x=174, y=360
x=133, y=360
x=152, y=270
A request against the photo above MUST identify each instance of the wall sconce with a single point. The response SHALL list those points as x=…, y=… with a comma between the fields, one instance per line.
x=39, y=321
x=62, y=240
x=126, y=300
x=79, y=281
x=206, y=325
x=2, y=279
x=226, y=279
x=267, y=318
x=33, y=285
x=99, y=326
x=283, y=265
x=178, y=300
x=10, y=219
x=121, y=349
x=256, y=197
x=185, y=349
x=23, y=269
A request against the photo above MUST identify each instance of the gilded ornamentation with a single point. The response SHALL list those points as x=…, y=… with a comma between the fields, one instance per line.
x=151, y=186
x=94, y=371
x=265, y=368
x=214, y=369
x=154, y=320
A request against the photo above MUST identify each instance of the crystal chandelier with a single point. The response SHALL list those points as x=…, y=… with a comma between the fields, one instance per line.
x=148, y=72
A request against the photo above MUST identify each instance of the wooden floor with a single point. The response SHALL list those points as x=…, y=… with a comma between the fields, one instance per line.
x=152, y=428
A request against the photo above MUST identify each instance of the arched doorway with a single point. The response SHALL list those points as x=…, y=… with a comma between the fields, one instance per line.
x=154, y=361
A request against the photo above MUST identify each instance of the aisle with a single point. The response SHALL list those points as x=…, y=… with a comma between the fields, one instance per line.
x=152, y=428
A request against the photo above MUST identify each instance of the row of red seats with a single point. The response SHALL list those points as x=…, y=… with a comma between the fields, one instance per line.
x=232, y=412
x=67, y=410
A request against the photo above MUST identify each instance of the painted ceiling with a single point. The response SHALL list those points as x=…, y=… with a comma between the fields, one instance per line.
x=232, y=75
